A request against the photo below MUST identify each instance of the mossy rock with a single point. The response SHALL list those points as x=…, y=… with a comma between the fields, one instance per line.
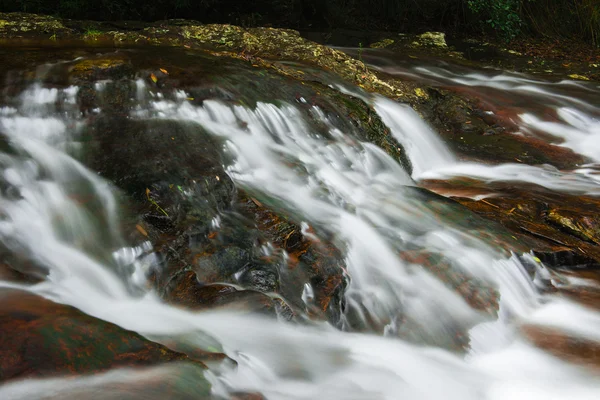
x=13, y=25
x=431, y=39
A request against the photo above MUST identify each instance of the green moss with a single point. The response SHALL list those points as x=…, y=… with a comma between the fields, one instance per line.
x=382, y=44
x=18, y=24
x=431, y=39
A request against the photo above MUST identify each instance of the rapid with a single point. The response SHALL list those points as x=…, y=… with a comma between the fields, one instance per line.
x=395, y=338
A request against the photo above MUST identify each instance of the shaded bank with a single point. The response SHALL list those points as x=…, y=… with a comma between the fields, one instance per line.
x=575, y=19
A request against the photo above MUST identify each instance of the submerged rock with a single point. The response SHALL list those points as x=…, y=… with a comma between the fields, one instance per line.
x=175, y=380
x=579, y=350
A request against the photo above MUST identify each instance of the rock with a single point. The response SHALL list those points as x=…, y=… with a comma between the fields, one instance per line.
x=571, y=219
x=474, y=135
x=101, y=67
x=580, y=285
x=578, y=350
x=252, y=44
x=185, y=290
x=561, y=229
x=172, y=170
x=431, y=39
x=382, y=44
x=176, y=380
x=480, y=295
x=19, y=269
x=15, y=25
x=50, y=339
x=313, y=262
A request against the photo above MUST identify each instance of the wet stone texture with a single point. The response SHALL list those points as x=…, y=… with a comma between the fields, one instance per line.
x=48, y=339
x=460, y=118
x=578, y=350
x=560, y=228
x=175, y=380
x=218, y=246
x=210, y=238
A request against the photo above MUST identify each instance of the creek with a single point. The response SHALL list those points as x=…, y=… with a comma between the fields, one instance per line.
x=112, y=186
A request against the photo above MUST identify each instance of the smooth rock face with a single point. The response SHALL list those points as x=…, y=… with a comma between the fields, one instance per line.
x=175, y=380
x=172, y=175
x=41, y=338
x=560, y=344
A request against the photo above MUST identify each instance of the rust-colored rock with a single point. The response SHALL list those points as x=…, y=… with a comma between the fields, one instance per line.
x=560, y=228
x=561, y=344
x=313, y=261
x=480, y=295
x=187, y=291
x=43, y=338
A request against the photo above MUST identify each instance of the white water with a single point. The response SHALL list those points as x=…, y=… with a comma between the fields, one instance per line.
x=576, y=125
x=351, y=190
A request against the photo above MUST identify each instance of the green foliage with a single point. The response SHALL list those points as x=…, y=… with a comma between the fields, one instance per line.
x=576, y=19
x=502, y=16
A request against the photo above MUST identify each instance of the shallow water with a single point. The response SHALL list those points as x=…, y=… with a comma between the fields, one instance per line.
x=338, y=187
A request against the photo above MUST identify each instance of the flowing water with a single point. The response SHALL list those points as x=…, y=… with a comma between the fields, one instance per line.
x=338, y=187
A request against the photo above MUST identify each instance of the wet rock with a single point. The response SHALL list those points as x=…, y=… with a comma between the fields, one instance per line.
x=247, y=396
x=171, y=173
x=253, y=44
x=176, y=380
x=19, y=269
x=311, y=261
x=578, y=350
x=559, y=228
x=580, y=285
x=112, y=66
x=186, y=290
x=48, y=339
x=480, y=295
x=475, y=135
x=571, y=220
x=170, y=169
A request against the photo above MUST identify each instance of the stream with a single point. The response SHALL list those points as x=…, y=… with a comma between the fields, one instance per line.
x=401, y=328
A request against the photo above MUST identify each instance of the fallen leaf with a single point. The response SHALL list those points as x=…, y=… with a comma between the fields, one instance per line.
x=141, y=230
x=164, y=71
x=258, y=203
x=154, y=78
